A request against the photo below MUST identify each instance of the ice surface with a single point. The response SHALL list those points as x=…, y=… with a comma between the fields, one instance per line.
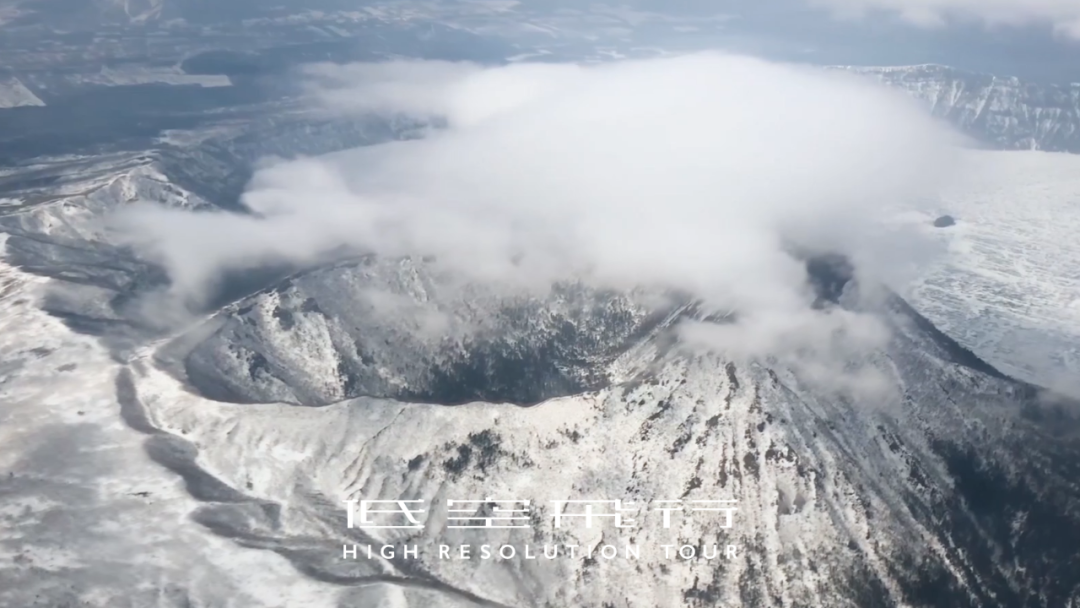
x=1008, y=286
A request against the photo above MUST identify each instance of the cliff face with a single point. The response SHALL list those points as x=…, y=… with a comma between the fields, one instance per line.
x=1002, y=112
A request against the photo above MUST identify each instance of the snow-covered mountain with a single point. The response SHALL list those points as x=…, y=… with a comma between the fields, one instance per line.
x=1002, y=112
x=912, y=474
x=951, y=486
x=938, y=490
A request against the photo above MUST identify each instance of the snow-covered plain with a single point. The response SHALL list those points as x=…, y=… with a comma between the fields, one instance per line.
x=1008, y=283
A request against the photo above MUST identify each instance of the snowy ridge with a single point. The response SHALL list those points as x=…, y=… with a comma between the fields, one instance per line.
x=81, y=497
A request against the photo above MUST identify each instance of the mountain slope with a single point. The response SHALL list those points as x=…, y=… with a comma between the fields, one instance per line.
x=947, y=485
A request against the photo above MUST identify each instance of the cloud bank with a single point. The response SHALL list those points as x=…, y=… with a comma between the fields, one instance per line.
x=1062, y=15
x=694, y=173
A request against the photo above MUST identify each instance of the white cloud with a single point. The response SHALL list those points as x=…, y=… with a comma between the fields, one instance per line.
x=691, y=172
x=1062, y=15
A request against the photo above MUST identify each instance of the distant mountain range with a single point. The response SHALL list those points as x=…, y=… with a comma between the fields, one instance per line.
x=1001, y=111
